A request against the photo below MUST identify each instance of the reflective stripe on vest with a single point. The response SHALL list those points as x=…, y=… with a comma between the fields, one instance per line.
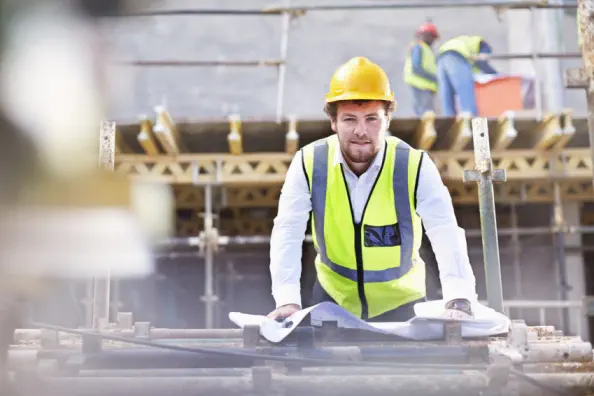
x=367, y=268
x=427, y=63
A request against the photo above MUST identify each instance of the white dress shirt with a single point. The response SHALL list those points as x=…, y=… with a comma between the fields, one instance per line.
x=434, y=206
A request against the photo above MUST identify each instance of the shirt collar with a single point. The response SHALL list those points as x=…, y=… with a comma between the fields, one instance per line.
x=376, y=164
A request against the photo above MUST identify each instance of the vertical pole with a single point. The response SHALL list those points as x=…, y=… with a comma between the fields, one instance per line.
x=208, y=257
x=537, y=84
x=208, y=240
x=516, y=249
x=282, y=70
x=101, y=285
x=559, y=237
x=484, y=174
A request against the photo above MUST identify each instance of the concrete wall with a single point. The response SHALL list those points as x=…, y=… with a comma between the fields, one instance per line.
x=319, y=42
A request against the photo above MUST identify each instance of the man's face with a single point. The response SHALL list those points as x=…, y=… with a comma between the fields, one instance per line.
x=360, y=127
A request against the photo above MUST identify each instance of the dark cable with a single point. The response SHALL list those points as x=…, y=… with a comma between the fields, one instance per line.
x=263, y=356
x=538, y=384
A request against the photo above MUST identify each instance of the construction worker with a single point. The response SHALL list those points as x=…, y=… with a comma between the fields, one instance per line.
x=420, y=68
x=368, y=195
x=455, y=72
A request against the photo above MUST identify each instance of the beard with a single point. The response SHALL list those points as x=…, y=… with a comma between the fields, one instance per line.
x=359, y=154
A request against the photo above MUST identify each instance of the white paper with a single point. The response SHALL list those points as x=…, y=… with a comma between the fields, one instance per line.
x=426, y=325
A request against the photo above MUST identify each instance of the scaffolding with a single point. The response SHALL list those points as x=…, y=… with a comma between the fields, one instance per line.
x=288, y=13
x=208, y=241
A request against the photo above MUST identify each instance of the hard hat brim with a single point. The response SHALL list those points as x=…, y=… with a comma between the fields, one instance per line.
x=358, y=96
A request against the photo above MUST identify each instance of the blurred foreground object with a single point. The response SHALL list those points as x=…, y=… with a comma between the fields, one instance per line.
x=62, y=216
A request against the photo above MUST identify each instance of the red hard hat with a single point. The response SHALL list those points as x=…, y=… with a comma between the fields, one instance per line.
x=428, y=27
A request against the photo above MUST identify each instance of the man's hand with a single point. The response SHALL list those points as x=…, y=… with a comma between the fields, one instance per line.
x=284, y=311
x=458, y=309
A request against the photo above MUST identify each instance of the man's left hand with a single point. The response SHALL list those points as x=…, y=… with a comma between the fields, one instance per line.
x=458, y=309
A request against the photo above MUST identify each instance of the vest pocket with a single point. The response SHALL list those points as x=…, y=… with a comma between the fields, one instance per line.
x=382, y=236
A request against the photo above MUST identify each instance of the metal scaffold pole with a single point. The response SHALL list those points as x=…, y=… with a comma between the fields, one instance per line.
x=559, y=237
x=208, y=241
x=209, y=296
x=503, y=4
x=485, y=175
x=102, y=285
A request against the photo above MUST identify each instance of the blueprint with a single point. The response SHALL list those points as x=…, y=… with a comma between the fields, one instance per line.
x=425, y=326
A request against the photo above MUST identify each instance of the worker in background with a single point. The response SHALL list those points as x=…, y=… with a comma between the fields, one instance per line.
x=368, y=194
x=420, y=69
x=456, y=66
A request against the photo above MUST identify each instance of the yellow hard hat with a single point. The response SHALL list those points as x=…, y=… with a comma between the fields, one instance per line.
x=359, y=79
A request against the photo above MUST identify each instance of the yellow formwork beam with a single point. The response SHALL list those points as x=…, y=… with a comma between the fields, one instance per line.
x=146, y=137
x=166, y=132
x=235, y=138
x=425, y=134
x=292, y=137
x=460, y=133
x=554, y=131
x=270, y=168
x=504, y=133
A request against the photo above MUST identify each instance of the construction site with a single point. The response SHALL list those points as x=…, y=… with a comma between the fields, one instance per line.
x=520, y=175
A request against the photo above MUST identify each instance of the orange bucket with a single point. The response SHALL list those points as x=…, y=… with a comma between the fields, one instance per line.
x=498, y=96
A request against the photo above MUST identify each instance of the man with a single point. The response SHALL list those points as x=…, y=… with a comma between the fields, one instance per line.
x=368, y=195
x=420, y=69
x=455, y=72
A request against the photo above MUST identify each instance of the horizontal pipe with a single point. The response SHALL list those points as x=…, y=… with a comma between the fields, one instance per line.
x=174, y=372
x=355, y=385
x=200, y=63
x=236, y=372
x=554, y=351
x=455, y=357
x=265, y=239
x=154, y=333
x=127, y=359
x=541, y=55
x=363, y=6
x=276, y=63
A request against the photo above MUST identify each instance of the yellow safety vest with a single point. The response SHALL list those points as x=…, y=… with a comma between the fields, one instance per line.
x=467, y=46
x=372, y=267
x=428, y=64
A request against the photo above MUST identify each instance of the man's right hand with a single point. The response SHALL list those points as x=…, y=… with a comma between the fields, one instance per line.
x=284, y=311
